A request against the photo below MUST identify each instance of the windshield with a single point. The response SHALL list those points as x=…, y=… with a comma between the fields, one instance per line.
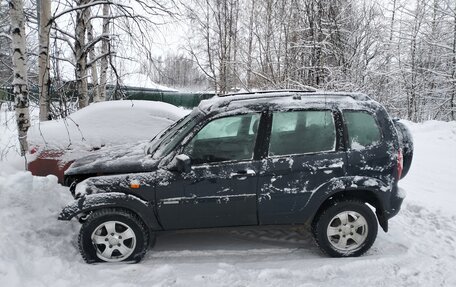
x=166, y=140
x=155, y=141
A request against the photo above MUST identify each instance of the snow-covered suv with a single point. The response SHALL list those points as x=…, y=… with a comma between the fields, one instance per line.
x=254, y=159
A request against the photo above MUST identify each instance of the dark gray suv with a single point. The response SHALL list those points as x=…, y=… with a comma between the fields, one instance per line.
x=329, y=160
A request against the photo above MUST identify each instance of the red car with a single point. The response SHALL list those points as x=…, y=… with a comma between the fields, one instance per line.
x=56, y=144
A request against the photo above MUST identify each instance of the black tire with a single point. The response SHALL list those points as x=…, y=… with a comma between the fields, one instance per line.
x=123, y=220
x=329, y=221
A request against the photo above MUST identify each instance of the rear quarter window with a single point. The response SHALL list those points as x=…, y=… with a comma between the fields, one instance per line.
x=362, y=128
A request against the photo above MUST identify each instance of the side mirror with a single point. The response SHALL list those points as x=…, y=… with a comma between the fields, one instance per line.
x=183, y=163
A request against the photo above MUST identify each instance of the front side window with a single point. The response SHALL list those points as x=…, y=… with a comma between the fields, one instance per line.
x=224, y=139
x=174, y=134
x=301, y=132
x=362, y=129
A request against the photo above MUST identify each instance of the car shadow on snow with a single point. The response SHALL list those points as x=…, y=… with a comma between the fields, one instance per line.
x=248, y=244
x=251, y=245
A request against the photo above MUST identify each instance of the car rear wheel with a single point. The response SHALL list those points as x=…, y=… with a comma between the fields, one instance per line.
x=345, y=228
x=113, y=235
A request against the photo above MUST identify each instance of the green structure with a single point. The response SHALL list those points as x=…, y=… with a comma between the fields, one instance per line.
x=180, y=99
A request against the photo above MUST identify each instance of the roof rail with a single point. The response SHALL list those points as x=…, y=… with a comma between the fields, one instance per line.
x=222, y=101
x=305, y=89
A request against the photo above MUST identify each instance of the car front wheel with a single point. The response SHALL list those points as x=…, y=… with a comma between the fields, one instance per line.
x=345, y=228
x=113, y=235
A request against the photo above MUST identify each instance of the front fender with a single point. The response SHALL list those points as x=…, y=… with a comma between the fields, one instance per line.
x=87, y=203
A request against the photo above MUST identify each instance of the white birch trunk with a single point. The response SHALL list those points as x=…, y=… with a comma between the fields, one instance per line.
x=93, y=67
x=104, y=51
x=20, y=72
x=81, y=58
x=44, y=82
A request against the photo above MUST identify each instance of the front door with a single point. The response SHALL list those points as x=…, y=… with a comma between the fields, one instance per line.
x=221, y=188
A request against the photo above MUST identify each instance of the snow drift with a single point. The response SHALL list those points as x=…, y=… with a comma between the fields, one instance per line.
x=38, y=250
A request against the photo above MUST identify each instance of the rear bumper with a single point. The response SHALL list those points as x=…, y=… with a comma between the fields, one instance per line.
x=45, y=166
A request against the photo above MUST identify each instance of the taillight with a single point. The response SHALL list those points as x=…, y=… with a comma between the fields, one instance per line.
x=400, y=164
x=33, y=150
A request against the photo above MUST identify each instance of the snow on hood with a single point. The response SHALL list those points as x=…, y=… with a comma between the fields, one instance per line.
x=116, y=159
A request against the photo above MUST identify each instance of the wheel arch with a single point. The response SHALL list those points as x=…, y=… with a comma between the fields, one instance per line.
x=144, y=210
x=346, y=191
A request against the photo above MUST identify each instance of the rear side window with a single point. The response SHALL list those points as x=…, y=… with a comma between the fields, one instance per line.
x=301, y=132
x=362, y=128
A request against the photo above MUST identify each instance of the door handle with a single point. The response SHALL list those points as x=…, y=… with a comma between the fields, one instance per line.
x=243, y=173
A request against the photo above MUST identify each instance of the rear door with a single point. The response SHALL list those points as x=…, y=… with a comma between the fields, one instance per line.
x=305, y=151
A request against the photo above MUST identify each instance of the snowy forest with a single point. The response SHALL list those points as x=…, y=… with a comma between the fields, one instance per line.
x=90, y=174
x=401, y=53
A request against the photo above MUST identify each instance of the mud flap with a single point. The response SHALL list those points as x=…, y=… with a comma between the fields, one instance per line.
x=382, y=220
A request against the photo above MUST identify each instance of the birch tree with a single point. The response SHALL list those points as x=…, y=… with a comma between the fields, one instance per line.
x=105, y=51
x=20, y=89
x=44, y=82
x=81, y=55
x=93, y=64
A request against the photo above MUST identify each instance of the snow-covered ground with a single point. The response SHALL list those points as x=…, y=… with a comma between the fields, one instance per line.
x=419, y=249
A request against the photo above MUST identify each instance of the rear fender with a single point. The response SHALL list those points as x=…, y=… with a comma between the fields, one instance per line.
x=370, y=190
x=85, y=204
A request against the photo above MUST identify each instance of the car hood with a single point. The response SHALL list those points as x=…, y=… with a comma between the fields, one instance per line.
x=128, y=158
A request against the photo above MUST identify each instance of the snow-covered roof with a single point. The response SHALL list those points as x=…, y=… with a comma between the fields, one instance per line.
x=287, y=99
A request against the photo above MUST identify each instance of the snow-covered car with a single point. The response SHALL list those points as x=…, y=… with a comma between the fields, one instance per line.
x=267, y=158
x=54, y=145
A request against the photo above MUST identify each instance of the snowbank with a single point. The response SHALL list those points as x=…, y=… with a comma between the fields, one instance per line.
x=38, y=250
x=33, y=245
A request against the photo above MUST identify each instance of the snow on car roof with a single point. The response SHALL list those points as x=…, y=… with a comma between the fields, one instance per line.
x=288, y=99
x=105, y=124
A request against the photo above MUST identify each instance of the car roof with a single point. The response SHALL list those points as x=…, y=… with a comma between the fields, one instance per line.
x=287, y=99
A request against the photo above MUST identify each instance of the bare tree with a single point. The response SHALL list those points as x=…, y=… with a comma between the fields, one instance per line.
x=93, y=64
x=105, y=52
x=44, y=82
x=20, y=89
x=176, y=71
x=217, y=25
